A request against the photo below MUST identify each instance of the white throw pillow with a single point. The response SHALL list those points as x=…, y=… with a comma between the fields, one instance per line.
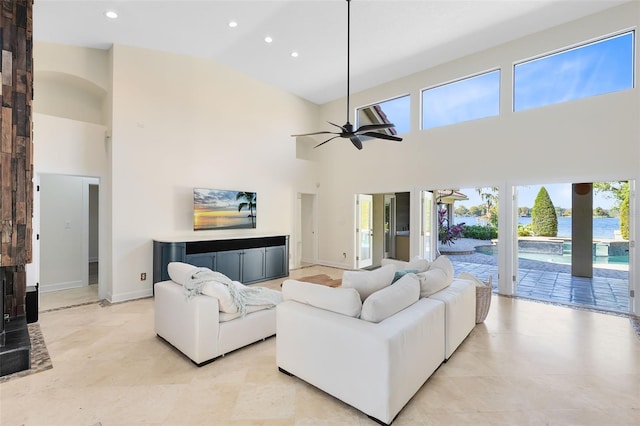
x=368, y=282
x=443, y=263
x=345, y=301
x=432, y=281
x=220, y=292
x=180, y=272
x=419, y=263
x=392, y=299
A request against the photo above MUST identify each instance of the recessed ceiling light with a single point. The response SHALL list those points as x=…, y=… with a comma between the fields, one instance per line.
x=111, y=14
x=233, y=24
x=294, y=54
x=268, y=39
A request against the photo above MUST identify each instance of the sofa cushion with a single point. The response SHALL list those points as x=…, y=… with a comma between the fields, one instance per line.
x=180, y=272
x=227, y=316
x=416, y=263
x=368, y=282
x=392, y=299
x=345, y=301
x=432, y=281
x=443, y=263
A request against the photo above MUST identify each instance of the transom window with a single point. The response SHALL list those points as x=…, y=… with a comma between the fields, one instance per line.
x=462, y=100
x=592, y=69
x=396, y=111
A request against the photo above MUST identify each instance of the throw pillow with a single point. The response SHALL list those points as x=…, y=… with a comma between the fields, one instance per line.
x=392, y=299
x=345, y=301
x=180, y=272
x=402, y=273
x=419, y=263
x=368, y=282
x=443, y=263
x=220, y=292
x=432, y=281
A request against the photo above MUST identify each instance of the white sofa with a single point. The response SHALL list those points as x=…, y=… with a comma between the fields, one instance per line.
x=459, y=298
x=374, y=365
x=198, y=327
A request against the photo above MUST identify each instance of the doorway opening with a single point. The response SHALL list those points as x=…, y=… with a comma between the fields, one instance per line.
x=306, y=231
x=573, y=244
x=69, y=239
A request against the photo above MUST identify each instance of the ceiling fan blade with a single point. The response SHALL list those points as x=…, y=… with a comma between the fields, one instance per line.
x=330, y=139
x=382, y=136
x=339, y=127
x=369, y=127
x=356, y=142
x=316, y=133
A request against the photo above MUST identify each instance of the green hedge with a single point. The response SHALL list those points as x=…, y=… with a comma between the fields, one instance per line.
x=480, y=232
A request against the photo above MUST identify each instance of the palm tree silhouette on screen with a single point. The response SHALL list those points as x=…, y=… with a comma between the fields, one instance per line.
x=249, y=201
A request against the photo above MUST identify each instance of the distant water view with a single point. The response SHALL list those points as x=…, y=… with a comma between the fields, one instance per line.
x=603, y=227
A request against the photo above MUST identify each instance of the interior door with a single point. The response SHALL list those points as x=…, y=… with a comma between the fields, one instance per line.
x=364, y=232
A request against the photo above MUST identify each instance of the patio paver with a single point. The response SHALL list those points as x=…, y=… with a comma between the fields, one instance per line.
x=607, y=290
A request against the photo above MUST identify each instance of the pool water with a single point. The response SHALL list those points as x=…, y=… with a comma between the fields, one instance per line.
x=565, y=258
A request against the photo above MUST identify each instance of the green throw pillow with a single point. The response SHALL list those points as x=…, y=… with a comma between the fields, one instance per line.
x=402, y=273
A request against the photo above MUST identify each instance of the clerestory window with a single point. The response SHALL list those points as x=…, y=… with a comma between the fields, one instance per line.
x=603, y=66
x=396, y=111
x=467, y=99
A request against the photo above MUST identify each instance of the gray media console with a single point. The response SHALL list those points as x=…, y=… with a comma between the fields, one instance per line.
x=248, y=260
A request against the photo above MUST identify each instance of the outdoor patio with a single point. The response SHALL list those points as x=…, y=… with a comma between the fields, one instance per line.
x=608, y=290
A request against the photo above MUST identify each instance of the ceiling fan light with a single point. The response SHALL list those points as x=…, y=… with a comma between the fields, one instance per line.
x=294, y=54
x=233, y=24
x=268, y=39
x=111, y=14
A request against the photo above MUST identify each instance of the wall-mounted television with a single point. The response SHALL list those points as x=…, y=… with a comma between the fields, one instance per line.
x=223, y=209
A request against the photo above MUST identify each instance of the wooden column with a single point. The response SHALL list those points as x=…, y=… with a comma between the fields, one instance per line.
x=16, y=150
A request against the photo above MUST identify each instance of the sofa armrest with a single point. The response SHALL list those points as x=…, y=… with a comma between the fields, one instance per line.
x=192, y=326
x=376, y=368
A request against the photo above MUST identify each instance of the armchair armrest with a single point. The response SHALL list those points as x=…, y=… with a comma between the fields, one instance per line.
x=192, y=326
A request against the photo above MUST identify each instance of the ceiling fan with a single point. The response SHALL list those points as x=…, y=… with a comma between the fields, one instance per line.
x=347, y=131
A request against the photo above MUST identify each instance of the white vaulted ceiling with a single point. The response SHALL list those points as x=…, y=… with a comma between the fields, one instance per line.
x=389, y=39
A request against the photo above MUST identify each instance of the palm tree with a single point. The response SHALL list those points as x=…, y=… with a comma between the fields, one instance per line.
x=249, y=203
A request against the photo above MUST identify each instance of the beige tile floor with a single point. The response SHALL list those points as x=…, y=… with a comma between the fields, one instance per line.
x=529, y=363
x=65, y=298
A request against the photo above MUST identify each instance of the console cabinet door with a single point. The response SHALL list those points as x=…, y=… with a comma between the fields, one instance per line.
x=275, y=262
x=204, y=260
x=229, y=264
x=253, y=265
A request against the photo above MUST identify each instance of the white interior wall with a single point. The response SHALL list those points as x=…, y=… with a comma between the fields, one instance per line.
x=181, y=122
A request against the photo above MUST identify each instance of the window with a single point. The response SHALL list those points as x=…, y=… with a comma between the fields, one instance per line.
x=603, y=66
x=395, y=111
x=463, y=100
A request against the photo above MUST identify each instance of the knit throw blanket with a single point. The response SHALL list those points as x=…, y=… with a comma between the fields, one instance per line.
x=242, y=295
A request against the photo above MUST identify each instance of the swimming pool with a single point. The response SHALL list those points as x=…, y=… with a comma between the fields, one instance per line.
x=565, y=258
